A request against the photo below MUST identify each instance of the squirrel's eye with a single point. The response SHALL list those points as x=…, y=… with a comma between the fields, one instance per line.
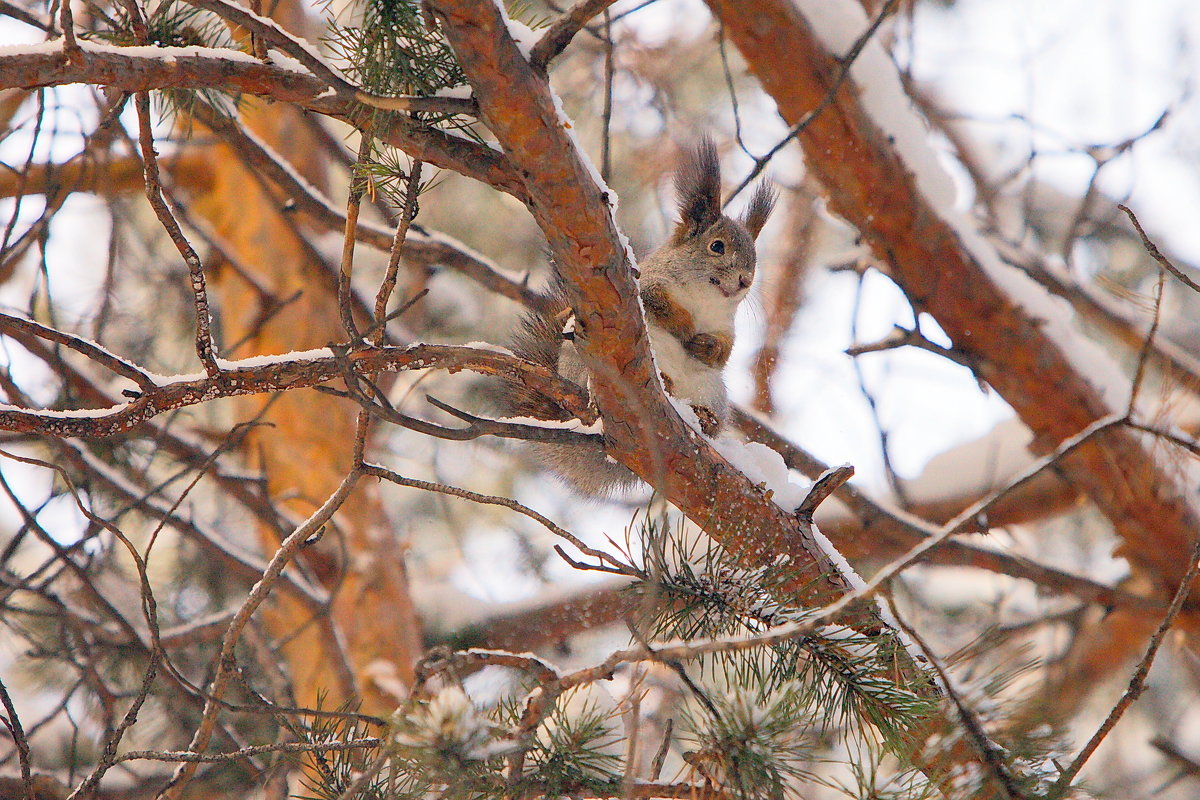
x=715, y=281
x=717, y=246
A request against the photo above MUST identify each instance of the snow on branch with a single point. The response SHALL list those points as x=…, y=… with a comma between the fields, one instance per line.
x=261, y=374
x=870, y=152
x=139, y=69
x=573, y=207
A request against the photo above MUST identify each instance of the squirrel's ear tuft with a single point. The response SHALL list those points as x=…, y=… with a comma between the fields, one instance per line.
x=698, y=183
x=761, y=206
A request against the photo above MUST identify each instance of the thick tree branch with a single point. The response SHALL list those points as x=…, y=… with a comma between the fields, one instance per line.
x=871, y=186
x=135, y=70
x=642, y=429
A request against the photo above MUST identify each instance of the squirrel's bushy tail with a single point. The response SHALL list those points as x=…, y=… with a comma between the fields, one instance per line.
x=539, y=338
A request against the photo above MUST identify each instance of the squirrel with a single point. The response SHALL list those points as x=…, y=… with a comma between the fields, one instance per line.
x=690, y=289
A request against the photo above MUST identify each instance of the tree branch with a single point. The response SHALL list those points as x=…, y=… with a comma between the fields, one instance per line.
x=260, y=375
x=870, y=184
x=231, y=70
x=642, y=429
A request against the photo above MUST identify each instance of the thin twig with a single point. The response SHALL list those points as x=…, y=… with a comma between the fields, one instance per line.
x=846, y=61
x=988, y=750
x=248, y=752
x=905, y=337
x=271, y=32
x=205, y=346
x=96, y=352
x=13, y=723
x=378, y=471
x=358, y=185
x=1148, y=345
x=413, y=186
x=225, y=660
x=606, y=113
x=1138, y=683
x=1156, y=254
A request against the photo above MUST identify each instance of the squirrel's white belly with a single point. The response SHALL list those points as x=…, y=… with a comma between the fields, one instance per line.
x=691, y=380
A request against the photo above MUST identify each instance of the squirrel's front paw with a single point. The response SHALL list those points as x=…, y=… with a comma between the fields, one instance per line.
x=709, y=423
x=711, y=349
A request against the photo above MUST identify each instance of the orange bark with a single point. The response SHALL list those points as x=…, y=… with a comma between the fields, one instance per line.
x=307, y=450
x=869, y=185
x=643, y=431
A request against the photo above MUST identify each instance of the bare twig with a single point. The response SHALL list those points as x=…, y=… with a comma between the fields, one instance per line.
x=988, y=750
x=419, y=247
x=358, y=185
x=407, y=212
x=896, y=529
x=225, y=660
x=1156, y=254
x=563, y=30
x=1147, y=347
x=274, y=34
x=904, y=337
x=10, y=324
x=479, y=426
x=205, y=347
x=847, y=62
x=378, y=471
x=293, y=371
x=134, y=70
x=13, y=723
x=187, y=756
x=1136, y=684
x=830, y=481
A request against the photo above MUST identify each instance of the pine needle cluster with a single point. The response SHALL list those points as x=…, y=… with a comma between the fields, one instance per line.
x=842, y=679
x=448, y=747
x=171, y=23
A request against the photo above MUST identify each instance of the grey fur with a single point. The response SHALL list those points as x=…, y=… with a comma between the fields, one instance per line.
x=693, y=269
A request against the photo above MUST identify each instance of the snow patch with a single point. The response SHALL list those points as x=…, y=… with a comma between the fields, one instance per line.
x=553, y=424
x=489, y=347
x=762, y=465
x=463, y=92
x=80, y=413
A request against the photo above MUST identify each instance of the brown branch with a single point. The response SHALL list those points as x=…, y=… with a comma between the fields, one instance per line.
x=386, y=474
x=10, y=325
x=521, y=626
x=477, y=426
x=24, y=15
x=407, y=211
x=563, y=30
x=286, y=373
x=884, y=531
x=206, y=347
x=271, y=32
x=872, y=187
x=1138, y=682
x=12, y=723
x=904, y=337
x=642, y=430
x=107, y=177
x=1099, y=310
x=225, y=660
x=230, y=70
x=1156, y=254
x=187, y=756
x=419, y=247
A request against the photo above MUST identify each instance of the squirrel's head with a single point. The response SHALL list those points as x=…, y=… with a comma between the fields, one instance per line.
x=708, y=247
